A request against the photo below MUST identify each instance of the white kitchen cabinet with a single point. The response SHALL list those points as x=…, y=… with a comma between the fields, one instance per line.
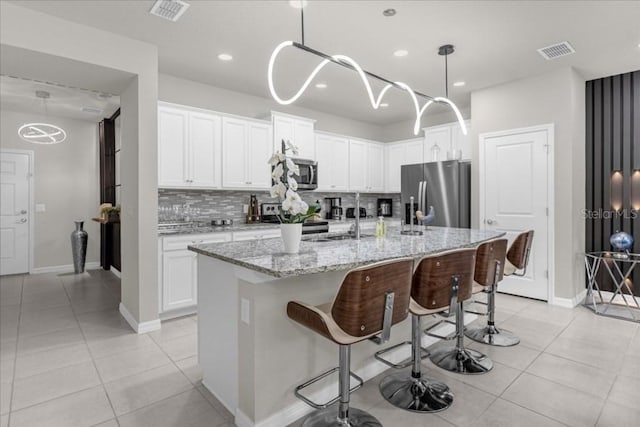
x=395, y=158
x=448, y=139
x=366, y=166
x=415, y=152
x=333, y=162
x=179, y=272
x=189, y=148
x=298, y=130
x=246, y=149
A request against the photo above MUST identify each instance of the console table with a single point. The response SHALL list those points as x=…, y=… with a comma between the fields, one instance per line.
x=619, y=266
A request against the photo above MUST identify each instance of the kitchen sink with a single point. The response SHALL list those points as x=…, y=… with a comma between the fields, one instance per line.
x=335, y=237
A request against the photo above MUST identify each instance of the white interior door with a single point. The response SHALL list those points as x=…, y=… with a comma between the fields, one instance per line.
x=15, y=176
x=513, y=186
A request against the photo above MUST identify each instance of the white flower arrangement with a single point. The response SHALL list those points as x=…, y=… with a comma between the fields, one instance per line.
x=294, y=210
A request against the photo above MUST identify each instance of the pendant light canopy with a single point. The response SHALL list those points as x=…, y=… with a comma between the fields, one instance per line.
x=42, y=133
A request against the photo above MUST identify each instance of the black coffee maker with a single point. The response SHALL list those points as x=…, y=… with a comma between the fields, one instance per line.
x=334, y=207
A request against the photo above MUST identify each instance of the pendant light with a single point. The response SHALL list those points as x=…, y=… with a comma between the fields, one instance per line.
x=347, y=62
x=42, y=133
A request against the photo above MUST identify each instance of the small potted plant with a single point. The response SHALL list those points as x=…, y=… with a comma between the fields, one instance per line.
x=294, y=211
x=110, y=214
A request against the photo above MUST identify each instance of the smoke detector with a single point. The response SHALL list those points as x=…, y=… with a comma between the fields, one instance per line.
x=556, y=50
x=171, y=10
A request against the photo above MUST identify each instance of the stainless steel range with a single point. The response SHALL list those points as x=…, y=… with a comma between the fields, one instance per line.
x=269, y=214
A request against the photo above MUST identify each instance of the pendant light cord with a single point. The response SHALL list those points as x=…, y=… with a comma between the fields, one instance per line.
x=446, y=76
x=302, y=20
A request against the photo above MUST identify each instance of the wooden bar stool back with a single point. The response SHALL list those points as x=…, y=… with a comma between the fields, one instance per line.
x=518, y=254
x=370, y=300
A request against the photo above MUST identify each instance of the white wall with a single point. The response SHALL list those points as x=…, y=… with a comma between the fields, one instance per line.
x=559, y=98
x=67, y=182
x=194, y=94
x=38, y=32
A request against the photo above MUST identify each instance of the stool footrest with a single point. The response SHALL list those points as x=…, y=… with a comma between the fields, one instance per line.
x=408, y=362
x=318, y=378
x=442, y=337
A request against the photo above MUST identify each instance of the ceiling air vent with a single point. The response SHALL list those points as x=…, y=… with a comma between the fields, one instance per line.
x=169, y=9
x=556, y=50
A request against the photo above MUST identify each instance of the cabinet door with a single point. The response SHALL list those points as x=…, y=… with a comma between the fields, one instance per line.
x=324, y=156
x=304, y=139
x=340, y=164
x=283, y=128
x=259, y=151
x=179, y=279
x=395, y=155
x=172, y=147
x=460, y=141
x=375, y=167
x=234, y=153
x=437, y=143
x=358, y=165
x=204, y=140
x=414, y=152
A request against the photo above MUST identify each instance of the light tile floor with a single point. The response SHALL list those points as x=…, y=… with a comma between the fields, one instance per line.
x=67, y=358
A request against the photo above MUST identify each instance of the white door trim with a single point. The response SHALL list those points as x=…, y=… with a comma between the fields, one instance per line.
x=30, y=154
x=550, y=130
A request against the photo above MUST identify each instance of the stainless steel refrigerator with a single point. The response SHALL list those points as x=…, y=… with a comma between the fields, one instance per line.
x=444, y=185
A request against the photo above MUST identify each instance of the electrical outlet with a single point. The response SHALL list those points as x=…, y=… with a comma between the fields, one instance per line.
x=40, y=207
x=245, y=209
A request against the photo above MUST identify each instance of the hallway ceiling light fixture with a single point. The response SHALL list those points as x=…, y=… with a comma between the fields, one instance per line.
x=400, y=53
x=42, y=133
x=170, y=10
x=225, y=57
x=349, y=63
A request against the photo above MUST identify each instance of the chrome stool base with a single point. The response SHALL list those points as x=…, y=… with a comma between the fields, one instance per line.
x=461, y=360
x=415, y=394
x=492, y=336
x=329, y=418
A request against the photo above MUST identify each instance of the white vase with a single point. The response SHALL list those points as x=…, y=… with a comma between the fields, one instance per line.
x=291, y=235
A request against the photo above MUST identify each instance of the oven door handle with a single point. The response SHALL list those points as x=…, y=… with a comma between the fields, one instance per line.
x=312, y=173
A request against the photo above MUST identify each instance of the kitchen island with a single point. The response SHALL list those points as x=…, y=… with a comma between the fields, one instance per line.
x=252, y=356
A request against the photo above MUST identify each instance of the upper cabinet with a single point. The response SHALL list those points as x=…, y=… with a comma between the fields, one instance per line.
x=333, y=162
x=246, y=148
x=366, y=166
x=298, y=130
x=447, y=142
x=189, y=148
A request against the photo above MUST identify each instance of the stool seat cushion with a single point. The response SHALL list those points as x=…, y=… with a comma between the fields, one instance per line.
x=318, y=319
x=419, y=310
x=477, y=288
x=509, y=268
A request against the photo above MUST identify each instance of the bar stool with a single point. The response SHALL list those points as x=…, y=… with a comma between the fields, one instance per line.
x=490, y=264
x=434, y=289
x=518, y=254
x=370, y=300
x=458, y=358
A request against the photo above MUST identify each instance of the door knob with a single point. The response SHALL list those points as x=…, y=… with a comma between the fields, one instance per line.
x=490, y=221
x=22, y=220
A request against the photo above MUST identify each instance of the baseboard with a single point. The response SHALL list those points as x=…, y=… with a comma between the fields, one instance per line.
x=64, y=268
x=569, y=302
x=140, y=328
x=180, y=312
x=372, y=369
x=116, y=272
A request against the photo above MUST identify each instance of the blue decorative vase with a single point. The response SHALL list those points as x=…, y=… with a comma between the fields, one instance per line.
x=621, y=241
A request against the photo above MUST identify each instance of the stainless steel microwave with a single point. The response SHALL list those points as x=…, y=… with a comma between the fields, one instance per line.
x=308, y=178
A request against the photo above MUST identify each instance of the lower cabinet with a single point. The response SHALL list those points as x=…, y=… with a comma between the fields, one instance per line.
x=178, y=275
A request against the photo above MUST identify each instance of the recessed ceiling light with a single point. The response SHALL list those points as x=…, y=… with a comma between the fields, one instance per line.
x=321, y=85
x=458, y=84
x=389, y=12
x=298, y=4
x=384, y=105
x=401, y=52
x=225, y=57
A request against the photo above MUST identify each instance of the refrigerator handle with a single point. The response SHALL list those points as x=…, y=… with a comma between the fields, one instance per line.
x=420, y=195
x=423, y=198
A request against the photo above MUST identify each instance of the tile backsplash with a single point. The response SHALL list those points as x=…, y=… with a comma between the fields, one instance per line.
x=204, y=205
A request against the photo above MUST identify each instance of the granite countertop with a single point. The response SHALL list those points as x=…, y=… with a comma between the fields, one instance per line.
x=266, y=256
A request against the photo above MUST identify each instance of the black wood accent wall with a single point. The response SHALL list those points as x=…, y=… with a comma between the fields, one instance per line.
x=612, y=144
